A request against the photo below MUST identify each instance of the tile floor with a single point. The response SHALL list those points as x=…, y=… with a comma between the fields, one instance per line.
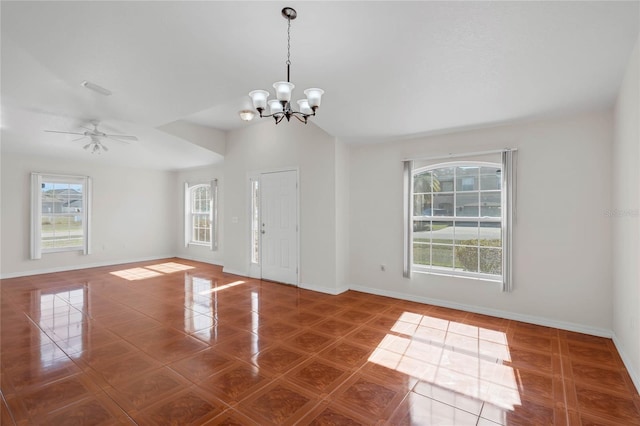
x=176, y=342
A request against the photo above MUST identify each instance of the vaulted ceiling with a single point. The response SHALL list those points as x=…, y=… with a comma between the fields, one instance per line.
x=389, y=69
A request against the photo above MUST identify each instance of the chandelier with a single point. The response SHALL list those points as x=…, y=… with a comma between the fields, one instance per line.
x=280, y=107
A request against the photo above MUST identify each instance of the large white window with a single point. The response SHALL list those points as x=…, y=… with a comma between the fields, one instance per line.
x=59, y=213
x=459, y=217
x=201, y=214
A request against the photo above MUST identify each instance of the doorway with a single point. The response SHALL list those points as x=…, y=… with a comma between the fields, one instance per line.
x=274, y=226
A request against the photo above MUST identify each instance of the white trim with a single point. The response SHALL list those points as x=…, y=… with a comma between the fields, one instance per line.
x=563, y=325
x=37, y=181
x=469, y=154
x=627, y=362
x=85, y=266
x=254, y=270
x=407, y=218
x=226, y=270
x=507, y=202
x=200, y=259
x=213, y=215
x=321, y=289
x=36, y=242
x=187, y=215
x=87, y=205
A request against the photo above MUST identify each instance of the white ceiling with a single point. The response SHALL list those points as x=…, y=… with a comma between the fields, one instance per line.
x=389, y=69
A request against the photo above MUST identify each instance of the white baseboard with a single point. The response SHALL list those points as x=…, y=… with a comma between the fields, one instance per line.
x=201, y=259
x=84, y=266
x=627, y=363
x=321, y=289
x=234, y=272
x=569, y=326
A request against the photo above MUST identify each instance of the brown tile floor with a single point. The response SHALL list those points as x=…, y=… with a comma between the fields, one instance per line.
x=179, y=342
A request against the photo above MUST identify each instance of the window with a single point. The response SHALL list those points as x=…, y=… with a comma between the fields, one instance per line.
x=59, y=214
x=201, y=214
x=459, y=220
x=255, y=220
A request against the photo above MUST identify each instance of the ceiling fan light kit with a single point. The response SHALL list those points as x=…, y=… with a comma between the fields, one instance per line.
x=96, y=146
x=280, y=107
x=246, y=115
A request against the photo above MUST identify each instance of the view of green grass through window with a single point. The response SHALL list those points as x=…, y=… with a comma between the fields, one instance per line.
x=62, y=215
x=457, y=221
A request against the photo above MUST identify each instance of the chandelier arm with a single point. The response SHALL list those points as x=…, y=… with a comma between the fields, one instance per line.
x=297, y=115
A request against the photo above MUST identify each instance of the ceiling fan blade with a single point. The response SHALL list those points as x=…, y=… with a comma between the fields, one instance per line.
x=104, y=147
x=67, y=133
x=122, y=137
x=78, y=139
x=87, y=145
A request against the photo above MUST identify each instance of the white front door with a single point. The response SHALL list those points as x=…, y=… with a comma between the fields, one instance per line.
x=279, y=226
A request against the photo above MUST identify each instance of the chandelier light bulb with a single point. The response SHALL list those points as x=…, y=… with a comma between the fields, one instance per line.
x=259, y=98
x=303, y=104
x=314, y=96
x=283, y=90
x=275, y=106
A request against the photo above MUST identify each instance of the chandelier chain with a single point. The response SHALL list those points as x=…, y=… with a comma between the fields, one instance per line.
x=289, y=42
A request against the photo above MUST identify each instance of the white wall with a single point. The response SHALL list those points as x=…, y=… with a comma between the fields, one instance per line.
x=625, y=217
x=264, y=147
x=194, y=252
x=133, y=215
x=562, y=263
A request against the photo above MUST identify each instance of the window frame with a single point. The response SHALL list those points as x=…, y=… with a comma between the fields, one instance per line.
x=508, y=212
x=455, y=218
x=190, y=214
x=37, y=181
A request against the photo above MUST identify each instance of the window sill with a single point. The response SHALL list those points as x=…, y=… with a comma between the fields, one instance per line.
x=456, y=274
x=200, y=244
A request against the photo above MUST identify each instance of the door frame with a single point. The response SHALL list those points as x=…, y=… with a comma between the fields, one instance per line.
x=255, y=269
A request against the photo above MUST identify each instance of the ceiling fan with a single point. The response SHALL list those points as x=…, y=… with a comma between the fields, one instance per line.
x=95, y=145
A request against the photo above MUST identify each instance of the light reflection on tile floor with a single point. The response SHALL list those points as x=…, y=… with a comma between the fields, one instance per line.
x=179, y=342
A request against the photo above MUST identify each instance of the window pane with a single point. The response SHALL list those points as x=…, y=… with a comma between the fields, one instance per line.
x=422, y=205
x=442, y=204
x=467, y=178
x=467, y=257
x=490, y=204
x=441, y=232
x=491, y=260
x=62, y=219
x=445, y=178
x=466, y=233
x=255, y=216
x=425, y=182
x=421, y=253
x=467, y=204
x=442, y=256
x=200, y=207
x=491, y=234
x=419, y=228
x=490, y=178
